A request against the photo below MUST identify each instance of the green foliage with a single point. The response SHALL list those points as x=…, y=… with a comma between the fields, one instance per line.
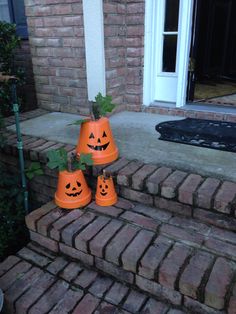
x=59, y=159
x=33, y=170
x=79, y=122
x=9, y=42
x=85, y=159
x=102, y=105
x=12, y=228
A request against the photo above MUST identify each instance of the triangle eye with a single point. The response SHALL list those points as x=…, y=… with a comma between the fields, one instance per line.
x=91, y=135
x=104, y=134
x=68, y=186
x=79, y=184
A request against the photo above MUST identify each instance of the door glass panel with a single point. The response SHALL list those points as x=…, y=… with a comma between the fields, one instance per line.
x=171, y=15
x=169, y=53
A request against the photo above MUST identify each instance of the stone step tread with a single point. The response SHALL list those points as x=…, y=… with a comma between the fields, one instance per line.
x=159, y=252
x=36, y=281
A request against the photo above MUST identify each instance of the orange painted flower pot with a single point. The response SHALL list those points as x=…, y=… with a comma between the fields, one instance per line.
x=72, y=190
x=105, y=193
x=96, y=138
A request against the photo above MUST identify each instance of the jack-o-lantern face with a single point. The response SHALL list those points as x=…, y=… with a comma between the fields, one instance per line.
x=73, y=190
x=99, y=143
x=96, y=138
x=103, y=188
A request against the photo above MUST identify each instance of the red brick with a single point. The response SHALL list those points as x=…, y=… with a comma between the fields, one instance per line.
x=152, y=212
x=153, y=183
x=50, y=298
x=36, y=290
x=134, y=301
x=108, y=210
x=136, y=196
x=44, y=223
x=85, y=278
x=182, y=234
x=216, y=219
x=34, y=257
x=117, y=166
x=170, y=185
x=135, y=249
x=71, y=271
x=194, y=272
x=34, y=216
x=196, y=307
x=153, y=257
x=57, y=265
x=8, y=263
x=188, y=188
x=141, y=220
x=190, y=224
x=232, y=301
x=82, y=239
x=73, y=228
x=62, y=222
x=124, y=175
x=75, y=254
x=171, y=266
x=154, y=307
x=97, y=245
x=173, y=206
x=206, y=192
x=87, y=305
x=43, y=241
x=221, y=247
x=118, y=243
x=224, y=197
x=20, y=286
x=156, y=289
x=124, y=204
x=139, y=177
x=13, y=274
x=100, y=286
x=223, y=235
x=68, y=301
x=116, y=293
x=113, y=270
x=218, y=283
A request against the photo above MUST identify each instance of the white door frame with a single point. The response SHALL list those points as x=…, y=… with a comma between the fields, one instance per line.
x=150, y=46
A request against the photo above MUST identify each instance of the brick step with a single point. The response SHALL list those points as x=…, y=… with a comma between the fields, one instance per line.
x=188, y=194
x=177, y=259
x=36, y=281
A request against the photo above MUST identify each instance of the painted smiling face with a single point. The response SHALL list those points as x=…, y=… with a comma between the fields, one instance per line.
x=105, y=194
x=73, y=190
x=97, y=142
x=96, y=137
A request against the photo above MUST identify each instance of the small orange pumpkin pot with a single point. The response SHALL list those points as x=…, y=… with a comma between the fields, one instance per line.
x=72, y=190
x=105, y=193
x=96, y=138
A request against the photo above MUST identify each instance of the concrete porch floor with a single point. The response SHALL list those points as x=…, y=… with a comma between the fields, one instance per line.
x=136, y=138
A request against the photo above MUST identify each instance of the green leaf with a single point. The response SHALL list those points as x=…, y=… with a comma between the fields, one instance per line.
x=33, y=170
x=79, y=122
x=102, y=106
x=57, y=159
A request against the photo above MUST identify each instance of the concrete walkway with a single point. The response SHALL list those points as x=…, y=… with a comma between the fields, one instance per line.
x=136, y=138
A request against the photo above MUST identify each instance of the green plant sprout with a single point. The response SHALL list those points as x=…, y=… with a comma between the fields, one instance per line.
x=60, y=159
x=99, y=108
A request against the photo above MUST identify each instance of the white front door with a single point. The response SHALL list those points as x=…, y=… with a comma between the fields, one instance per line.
x=167, y=42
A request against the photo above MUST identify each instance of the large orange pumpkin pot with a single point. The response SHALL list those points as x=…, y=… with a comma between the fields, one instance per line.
x=105, y=193
x=72, y=190
x=96, y=138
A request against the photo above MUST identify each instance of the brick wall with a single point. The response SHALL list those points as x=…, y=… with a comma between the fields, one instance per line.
x=58, y=52
x=24, y=60
x=134, y=54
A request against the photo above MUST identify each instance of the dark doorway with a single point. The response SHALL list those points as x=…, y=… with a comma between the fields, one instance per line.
x=213, y=53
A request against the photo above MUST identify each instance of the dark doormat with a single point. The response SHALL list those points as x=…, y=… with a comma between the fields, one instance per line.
x=206, y=133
